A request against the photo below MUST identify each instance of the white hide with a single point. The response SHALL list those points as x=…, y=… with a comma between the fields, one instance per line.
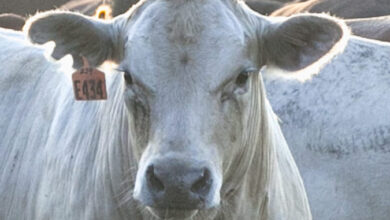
x=53, y=159
x=11, y=33
x=338, y=127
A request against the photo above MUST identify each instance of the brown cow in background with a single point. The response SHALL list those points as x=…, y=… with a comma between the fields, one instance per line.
x=29, y=7
x=91, y=7
x=87, y=7
x=287, y=1
x=365, y=18
x=11, y=21
x=339, y=8
x=264, y=7
x=121, y=6
x=377, y=28
x=294, y=8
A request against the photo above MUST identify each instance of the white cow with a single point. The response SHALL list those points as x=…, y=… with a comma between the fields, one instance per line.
x=9, y=33
x=186, y=132
x=338, y=127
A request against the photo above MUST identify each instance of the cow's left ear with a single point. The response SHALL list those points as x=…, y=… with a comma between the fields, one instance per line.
x=77, y=35
x=295, y=43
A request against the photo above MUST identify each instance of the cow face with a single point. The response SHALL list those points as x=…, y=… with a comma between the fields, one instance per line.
x=189, y=69
x=191, y=101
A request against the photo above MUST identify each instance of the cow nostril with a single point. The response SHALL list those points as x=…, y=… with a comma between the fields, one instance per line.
x=154, y=182
x=202, y=185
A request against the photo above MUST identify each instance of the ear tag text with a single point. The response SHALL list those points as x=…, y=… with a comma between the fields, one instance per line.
x=89, y=83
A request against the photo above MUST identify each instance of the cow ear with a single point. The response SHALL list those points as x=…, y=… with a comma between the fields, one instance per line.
x=77, y=35
x=300, y=41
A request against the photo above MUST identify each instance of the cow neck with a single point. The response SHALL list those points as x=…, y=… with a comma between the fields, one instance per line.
x=116, y=167
x=264, y=173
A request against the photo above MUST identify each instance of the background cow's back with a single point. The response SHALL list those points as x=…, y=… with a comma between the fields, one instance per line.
x=338, y=127
x=339, y=8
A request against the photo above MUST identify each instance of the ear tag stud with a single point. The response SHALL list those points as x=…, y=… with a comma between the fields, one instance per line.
x=89, y=83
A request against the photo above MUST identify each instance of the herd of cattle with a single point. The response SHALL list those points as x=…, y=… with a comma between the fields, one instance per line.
x=369, y=19
x=187, y=131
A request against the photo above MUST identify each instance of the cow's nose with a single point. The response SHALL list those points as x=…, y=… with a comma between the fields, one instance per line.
x=178, y=187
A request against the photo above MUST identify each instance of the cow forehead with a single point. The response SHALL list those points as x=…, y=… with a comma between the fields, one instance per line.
x=198, y=43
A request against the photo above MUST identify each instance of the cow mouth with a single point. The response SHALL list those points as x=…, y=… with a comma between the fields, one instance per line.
x=173, y=214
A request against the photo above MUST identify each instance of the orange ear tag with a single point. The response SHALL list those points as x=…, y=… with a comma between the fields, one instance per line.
x=89, y=83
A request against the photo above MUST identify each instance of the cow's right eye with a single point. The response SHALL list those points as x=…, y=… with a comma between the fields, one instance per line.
x=128, y=78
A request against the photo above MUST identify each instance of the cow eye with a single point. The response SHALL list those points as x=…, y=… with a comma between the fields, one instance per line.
x=241, y=82
x=242, y=78
x=128, y=78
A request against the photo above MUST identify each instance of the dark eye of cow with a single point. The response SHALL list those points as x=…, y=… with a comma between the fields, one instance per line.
x=238, y=87
x=242, y=79
x=128, y=78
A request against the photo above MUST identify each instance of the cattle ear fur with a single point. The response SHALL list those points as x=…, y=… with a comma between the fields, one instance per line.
x=77, y=35
x=300, y=41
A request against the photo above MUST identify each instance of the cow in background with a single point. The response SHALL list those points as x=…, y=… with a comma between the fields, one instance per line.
x=88, y=7
x=121, y=6
x=264, y=7
x=95, y=8
x=377, y=28
x=28, y=7
x=341, y=8
x=337, y=125
x=285, y=1
x=365, y=18
x=12, y=21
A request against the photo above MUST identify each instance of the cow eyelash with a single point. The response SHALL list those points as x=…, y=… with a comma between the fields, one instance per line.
x=134, y=84
x=127, y=76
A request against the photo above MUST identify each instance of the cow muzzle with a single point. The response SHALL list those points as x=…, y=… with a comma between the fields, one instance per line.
x=177, y=187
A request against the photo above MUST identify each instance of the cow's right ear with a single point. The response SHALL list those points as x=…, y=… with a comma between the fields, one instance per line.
x=77, y=35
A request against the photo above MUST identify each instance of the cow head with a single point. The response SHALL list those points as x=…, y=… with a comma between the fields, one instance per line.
x=190, y=72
